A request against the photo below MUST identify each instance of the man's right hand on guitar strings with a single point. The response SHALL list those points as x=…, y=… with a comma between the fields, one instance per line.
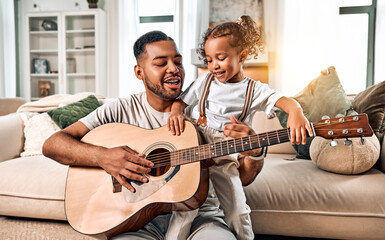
x=124, y=163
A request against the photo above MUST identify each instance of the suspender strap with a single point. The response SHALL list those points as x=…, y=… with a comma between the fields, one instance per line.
x=248, y=100
x=202, y=121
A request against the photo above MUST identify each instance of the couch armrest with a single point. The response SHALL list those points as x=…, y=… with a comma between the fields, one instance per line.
x=382, y=156
x=10, y=105
x=11, y=136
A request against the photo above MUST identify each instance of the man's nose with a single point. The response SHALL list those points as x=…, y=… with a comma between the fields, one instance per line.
x=172, y=67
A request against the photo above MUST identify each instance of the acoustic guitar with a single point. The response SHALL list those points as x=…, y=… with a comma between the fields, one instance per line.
x=96, y=203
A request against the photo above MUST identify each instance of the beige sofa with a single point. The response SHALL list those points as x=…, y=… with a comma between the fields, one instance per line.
x=290, y=197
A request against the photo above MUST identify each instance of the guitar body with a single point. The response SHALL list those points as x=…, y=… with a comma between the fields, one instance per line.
x=92, y=206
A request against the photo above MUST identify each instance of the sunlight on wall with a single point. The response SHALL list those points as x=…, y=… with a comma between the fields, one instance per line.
x=311, y=36
x=352, y=54
x=307, y=45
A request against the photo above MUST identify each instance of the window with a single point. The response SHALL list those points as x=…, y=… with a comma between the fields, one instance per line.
x=156, y=15
x=356, y=28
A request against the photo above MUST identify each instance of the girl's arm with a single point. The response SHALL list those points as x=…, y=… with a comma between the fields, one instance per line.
x=297, y=122
x=175, y=122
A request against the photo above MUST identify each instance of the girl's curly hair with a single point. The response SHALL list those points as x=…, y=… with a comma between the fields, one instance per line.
x=243, y=34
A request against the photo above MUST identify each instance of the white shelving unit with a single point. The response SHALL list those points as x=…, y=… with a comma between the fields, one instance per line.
x=75, y=53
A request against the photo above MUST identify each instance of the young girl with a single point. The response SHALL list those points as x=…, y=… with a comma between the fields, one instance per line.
x=218, y=97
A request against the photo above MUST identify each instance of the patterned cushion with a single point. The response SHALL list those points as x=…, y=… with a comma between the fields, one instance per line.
x=67, y=115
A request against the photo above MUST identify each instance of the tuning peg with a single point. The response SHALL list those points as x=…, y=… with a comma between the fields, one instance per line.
x=333, y=143
x=340, y=115
x=353, y=113
x=348, y=142
x=325, y=117
x=363, y=141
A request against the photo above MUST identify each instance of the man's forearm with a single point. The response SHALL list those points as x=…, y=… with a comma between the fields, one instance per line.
x=67, y=149
x=249, y=169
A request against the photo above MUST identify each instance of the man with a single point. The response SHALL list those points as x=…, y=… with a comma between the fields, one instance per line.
x=159, y=66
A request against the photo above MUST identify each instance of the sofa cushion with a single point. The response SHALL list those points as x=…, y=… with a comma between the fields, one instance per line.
x=32, y=187
x=345, y=159
x=67, y=115
x=296, y=198
x=372, y=102
x=322, y=96
x=37, y=129
x=11, y=136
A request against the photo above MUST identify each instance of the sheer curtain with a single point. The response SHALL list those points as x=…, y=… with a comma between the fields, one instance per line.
x=7, y=49
x=191, y=20
x=301, y=39
x=123, y=22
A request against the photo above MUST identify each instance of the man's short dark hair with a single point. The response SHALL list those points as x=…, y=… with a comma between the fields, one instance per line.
x=150, y=37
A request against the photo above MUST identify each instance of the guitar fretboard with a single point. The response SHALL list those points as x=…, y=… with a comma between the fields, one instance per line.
x=222, y=148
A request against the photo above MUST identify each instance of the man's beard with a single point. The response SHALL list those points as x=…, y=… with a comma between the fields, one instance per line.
x=160, y=91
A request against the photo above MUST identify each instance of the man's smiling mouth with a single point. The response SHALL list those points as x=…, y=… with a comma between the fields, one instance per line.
x=173, y=82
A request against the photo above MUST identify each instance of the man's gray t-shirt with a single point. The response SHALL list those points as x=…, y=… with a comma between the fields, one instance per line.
x=133, y=110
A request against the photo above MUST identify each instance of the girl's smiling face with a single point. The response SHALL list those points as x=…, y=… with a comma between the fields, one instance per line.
x=224, y=61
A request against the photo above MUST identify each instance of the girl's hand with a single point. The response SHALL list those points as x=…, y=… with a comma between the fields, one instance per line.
x=175, y=123
x=238, y=129
x=298, y=125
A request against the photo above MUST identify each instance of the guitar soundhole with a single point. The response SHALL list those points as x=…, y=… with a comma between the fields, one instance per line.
x=161, y=158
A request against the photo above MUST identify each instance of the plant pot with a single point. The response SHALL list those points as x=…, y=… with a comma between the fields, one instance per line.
x=92, y=5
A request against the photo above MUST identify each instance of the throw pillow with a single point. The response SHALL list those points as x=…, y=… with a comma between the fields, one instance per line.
x=37, y=129
x=372, y=102
x=345, y=159
x=322, y=96
x=67, y=115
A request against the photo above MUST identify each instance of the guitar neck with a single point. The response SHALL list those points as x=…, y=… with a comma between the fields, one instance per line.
x=222, y=148
x=343, y=127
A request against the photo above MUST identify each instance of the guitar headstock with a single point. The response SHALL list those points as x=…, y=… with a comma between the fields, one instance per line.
x=343, y=127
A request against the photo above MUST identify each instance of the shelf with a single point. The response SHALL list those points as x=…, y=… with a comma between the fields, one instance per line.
x=85, y=32
x=44, y=75
x=81, y=51
x=80, y=74
x=42, y=33
x=44, y=51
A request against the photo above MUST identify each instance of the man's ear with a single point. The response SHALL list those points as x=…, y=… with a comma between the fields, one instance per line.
x=138, y=72
x=243, y=55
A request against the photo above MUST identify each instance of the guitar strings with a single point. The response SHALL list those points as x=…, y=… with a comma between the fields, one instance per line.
x=164, y=159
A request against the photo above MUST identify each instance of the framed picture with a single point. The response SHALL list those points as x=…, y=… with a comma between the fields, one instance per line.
x=71, y=65
x=45, y=88
x=40, y=66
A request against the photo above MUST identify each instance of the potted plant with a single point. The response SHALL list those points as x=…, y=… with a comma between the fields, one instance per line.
x=92, y=3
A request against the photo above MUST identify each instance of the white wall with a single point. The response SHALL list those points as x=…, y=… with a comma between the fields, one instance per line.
x=300, y=38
